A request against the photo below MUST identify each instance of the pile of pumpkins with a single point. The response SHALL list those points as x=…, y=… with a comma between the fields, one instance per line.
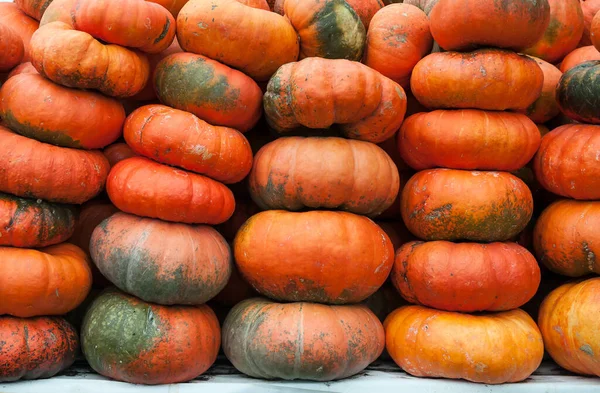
x=302, y=184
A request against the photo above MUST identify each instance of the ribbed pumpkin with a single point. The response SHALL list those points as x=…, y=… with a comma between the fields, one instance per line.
x=466, y=277
x=468, y=139
x=11, y=48
x=567, y=161
x=578, y=56
x=210, y=90
x=161, y=262
x=117, y=152
x=29, y=168
x=129, y=340
x=37, y=108
x=468, y=24
x=398, y=38
x=478, y=80
x=307, y=341
x=219, y=29
x=447, y=204
x=316, y=256
x=491, y=349
x=566, y=239
x=181, y=139
x=327, y=28
x=76, y=59
x=50, y=281
x=360, y=101
x=35, y=348
x=332, y=173
x=569, y=324
x=33, y=223
x=577, y=95
x=33, y=8
x=545, y=107
x=20, y=23
x=140, y=186
x=590, y=8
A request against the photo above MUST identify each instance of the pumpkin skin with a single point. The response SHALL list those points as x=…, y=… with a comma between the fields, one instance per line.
x=118, y=152
x=34, y=107
x=589, y=8
x=20, y=23
x=191, y=265
x=174, y=6
x=126, y=339
x=33, y=223
x=468, y=139
x=330, y=29
x=425, y=5
x=568, y=322
x=307, y=341
x=468, y=24
x=578, y=56
x=11, y=48
x=545, y=107
x=23, y=68
x=434, y=207
x=76, y=59
x=143, y=187
x=32, y=169
x=331, y=173
x=210, y=90
x=398, y=38
x=566, y=163
x=432, y=343
x=36, y=348
x=219, y=29
x=50, y=281
x=259, y=4
x=565, y=238
x=33, y=8
x=363, y=103
x=297, y=256
x=441, y=274
x=366, y=9
x=148, y=93
x=179, y=138
x=576, y=92
x=477, y=80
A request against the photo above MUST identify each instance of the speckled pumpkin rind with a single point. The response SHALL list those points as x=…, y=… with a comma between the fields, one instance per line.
x=578, y=92
x=305, y=341
x=11, y=47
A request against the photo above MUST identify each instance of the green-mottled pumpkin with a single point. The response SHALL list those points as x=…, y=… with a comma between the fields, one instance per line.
x=578, y=92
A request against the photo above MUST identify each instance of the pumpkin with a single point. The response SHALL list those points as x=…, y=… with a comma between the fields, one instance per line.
x=576, y=94
x=35, y=348
x=244, y=209
x=490, y=348
x=20, y=23
x=397, y=232
x=11, y=48
x=172, y=263
x=562, y=34
x=332, y=173
x=425, y=5
x=448, y=204
x=129, y=340
x=578, y=56
x=32, y=169
x=174, y=6
x=595, y=32
x=50, y=281
x=210, y=90
x=468, y=139
x=33, y=223
x=398, y=38
x=565, y=238
x=468, y=24
x=466, y=277
x=308, y=341
x=318, y=93
x=366, y=9
x=143, y=187
x=567, y=161
x=23, y=68
x=148, y=93
x=259, y=4
x=180, y=139
x=489, y=79
x=117, y=152
x=569, y=324
x=219, y=29
x=37, y=108
x=309, y=256
x=545, y=107
x=76, y=59
x=327, y=28
x=589, y=8
x=33, y=8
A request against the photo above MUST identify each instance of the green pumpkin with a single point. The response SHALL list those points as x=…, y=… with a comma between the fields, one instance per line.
x=578, y=92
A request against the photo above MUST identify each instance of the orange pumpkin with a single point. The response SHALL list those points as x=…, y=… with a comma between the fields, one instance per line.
x=366, y=10
x=23, y=68
x=20, y=23
x=447, y=204
x=143, y=187
x=50, y=281
x=595, y=32
x=468, y=139
x=578, y=56
x=569, y=324
x=490, y=348
x=33, y=8
x=590, y=8
x=11, y=48
x=259, y=4
x=174, y=6
x=317, y=256
x=545, y=107
x=303, y=340
x=398, y=38
x=478, y=80
x=117, y=152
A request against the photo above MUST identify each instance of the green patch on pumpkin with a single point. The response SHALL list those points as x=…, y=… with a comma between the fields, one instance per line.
x=54, y=137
